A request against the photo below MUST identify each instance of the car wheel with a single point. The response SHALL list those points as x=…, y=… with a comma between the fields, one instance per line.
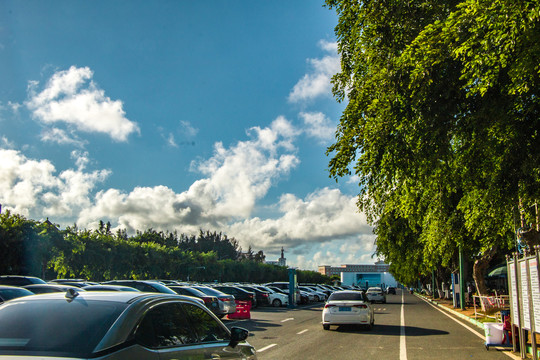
x=276, y=303
x=326, y=327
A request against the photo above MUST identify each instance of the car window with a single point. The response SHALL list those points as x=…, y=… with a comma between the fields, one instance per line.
x=346, y=296
x=206, y=327
x=165, y=325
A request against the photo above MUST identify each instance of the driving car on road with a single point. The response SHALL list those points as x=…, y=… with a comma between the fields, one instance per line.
x=391, y=290
x=376, y=294
x=116, y=325
x=348, y=307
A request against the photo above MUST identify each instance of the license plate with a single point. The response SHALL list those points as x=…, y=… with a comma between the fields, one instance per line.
x=344, y=308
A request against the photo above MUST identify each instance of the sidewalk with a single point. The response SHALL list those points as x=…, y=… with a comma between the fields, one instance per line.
x=468, y=315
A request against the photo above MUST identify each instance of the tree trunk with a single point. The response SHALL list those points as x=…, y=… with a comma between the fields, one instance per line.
x=479, y=270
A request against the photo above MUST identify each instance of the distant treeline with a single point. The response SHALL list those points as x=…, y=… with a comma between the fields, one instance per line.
x=29, y=247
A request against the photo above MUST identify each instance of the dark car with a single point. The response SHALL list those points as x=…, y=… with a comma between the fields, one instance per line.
x=49, y=288
x=109, y=288
x=12, y=292
x=117, y=325
x=142, y=285
x=263, y=297
x=210, y=301
x=391, y=290
x=19, y=280
x=238, y=293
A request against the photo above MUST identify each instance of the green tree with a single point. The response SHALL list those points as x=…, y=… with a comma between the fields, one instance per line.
x=441, y=122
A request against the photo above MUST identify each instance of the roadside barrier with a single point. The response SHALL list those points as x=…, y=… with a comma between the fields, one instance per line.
x=243, y=310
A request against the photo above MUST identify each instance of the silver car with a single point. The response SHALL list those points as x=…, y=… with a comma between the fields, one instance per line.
x=116, y=325
x=376, y=294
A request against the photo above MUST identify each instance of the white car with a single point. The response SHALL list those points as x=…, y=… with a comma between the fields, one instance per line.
x=348, y=307
x=276, y=299
x=317, y=295
x=376, y=294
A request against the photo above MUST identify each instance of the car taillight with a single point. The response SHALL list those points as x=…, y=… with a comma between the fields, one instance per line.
x=207, y=300
x=265, y=295
x=362, y=306
x=223, y=299
x=329, y=306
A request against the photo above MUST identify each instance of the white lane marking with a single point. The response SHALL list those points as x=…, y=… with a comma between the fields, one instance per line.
x=470, y=329
x=301, y=332
x=402, y=344
x=266, y=348
x=287, y=320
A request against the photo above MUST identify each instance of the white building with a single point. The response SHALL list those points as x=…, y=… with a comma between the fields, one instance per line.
x=362, y=275
x=280, y=262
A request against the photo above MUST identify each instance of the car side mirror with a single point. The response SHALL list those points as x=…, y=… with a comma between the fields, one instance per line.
x=238, y=334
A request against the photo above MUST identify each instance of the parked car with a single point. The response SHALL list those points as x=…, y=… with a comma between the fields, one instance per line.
x=76, y=283
x=49, y=288
x=12, y=292
x=376, y=294
x=238, y=293
x=210, y=301
x=348, y=307
x=19, y=280
x=116, y=325
x=317, y=296
x=142, y=285
x=263, y=297
x=104, y=287
x=277, y=299
x=285, y=286
x=227, y=305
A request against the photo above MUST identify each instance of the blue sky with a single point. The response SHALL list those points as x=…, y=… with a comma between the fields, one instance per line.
x=179, y=115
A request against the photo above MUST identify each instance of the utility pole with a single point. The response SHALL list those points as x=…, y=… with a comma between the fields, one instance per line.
x=461, y=280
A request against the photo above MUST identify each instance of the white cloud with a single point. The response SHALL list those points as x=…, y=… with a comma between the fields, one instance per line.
x=318, y=82
x=32, y=187
x=187, y=129
x=318, y=126
x=61, y=137
x=72, y=98
x=236, y=178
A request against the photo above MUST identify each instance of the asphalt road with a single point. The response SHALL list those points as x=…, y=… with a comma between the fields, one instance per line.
x=406, y=327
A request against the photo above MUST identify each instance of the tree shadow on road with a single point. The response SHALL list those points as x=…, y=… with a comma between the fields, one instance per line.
x=391, y=330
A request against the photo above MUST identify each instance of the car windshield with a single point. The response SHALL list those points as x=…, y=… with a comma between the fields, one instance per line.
x=346, y=296
x=55, y=327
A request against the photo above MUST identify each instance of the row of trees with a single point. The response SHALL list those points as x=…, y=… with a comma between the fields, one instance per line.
x=41, y=249
x=441, y=127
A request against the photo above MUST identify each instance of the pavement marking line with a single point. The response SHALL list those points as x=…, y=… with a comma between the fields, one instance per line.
x=301, y=332
x=266, y=348
x=402, y=344
x=471, y=330
x=289, y=319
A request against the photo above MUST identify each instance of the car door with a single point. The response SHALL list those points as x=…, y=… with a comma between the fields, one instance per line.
x=212, y=335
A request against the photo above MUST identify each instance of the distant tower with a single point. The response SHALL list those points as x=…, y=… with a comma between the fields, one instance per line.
x=282, y=261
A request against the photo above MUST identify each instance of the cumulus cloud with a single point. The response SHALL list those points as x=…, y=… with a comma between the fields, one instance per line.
x=317, y=82
x=236, y=178
x=324, y=215
x=30, y=186
x=318, y=126
x=72, y=98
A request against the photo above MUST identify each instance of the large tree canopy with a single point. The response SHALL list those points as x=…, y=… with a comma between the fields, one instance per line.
x=442, y=120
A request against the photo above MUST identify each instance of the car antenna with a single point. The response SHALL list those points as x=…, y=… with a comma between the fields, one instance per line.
x=71, y=294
